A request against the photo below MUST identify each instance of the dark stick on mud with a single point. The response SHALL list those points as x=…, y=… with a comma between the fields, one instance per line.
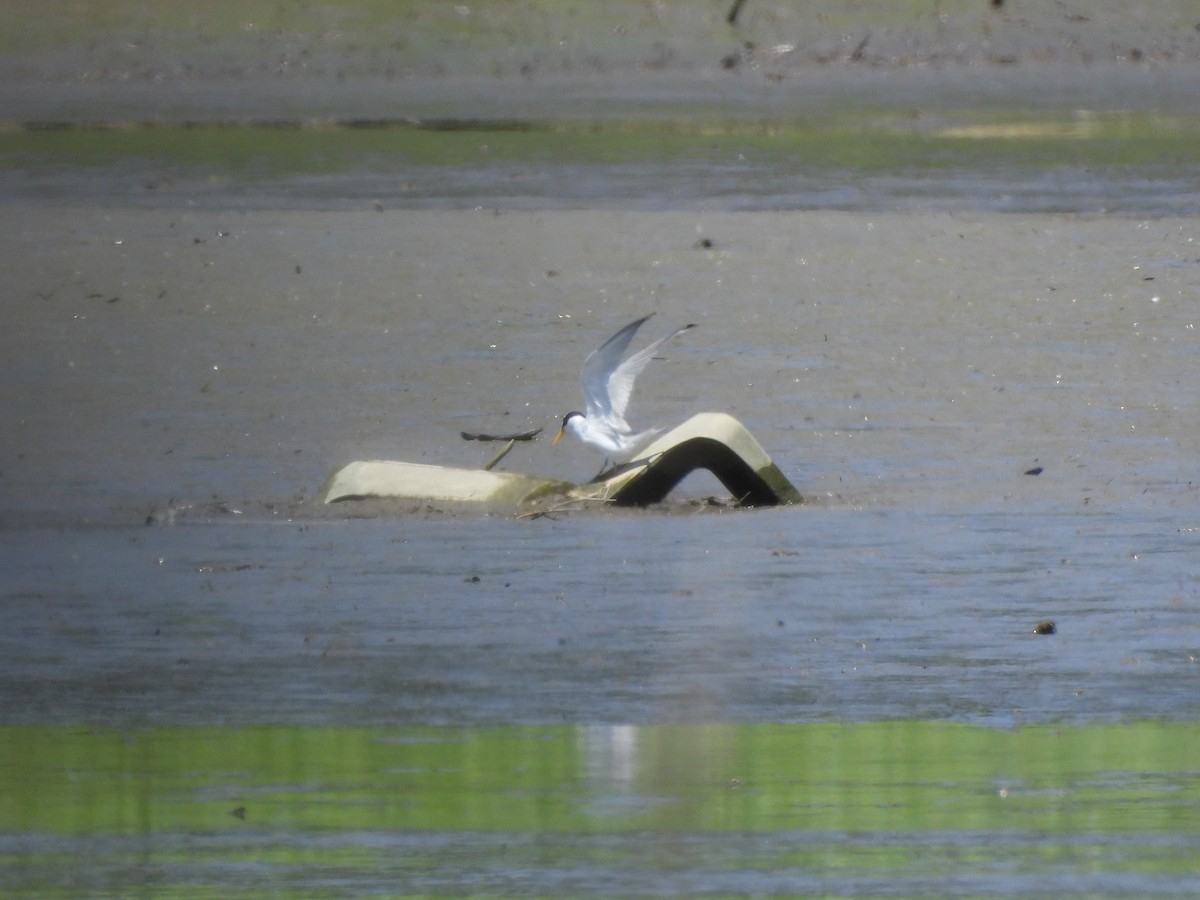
x=733, y=12
x=480, y=436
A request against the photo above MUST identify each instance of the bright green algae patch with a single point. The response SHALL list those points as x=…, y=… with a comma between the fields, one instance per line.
x=1113, y=779
x=769, y=809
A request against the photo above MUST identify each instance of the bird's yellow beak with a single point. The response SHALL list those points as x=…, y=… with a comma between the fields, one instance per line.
x=557, y=437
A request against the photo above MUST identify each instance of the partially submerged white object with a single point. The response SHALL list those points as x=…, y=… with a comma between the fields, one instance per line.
x=713, y=441
x=416, y=481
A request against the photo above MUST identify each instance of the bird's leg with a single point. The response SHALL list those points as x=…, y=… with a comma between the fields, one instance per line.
x=604, y=468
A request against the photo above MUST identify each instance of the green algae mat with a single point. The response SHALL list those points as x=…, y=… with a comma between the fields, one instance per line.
x=592, y=810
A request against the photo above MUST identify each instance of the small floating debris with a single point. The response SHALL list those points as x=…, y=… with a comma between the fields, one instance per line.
x=1046, y=627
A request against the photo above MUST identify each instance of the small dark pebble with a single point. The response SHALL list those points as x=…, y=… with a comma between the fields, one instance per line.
x=474, y=579
x=704, y=244
x=1046, y=627
x=1036, y=470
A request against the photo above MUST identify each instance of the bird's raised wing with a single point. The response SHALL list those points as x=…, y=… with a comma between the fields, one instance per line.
x=598, y=369
x=620, y=382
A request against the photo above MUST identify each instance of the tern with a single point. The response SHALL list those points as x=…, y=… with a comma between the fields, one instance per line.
x=607, y=383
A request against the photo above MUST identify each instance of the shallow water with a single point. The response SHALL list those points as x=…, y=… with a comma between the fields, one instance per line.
x=326, y=708
x=1027, y=161
x=845, y=697
x=790, y=615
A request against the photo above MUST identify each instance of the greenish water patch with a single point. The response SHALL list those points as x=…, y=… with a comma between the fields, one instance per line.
x=1145, y=164
x=276, y=149
x=1140, y=777
x=576, y=810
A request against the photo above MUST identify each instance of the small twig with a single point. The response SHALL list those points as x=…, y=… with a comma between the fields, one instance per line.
x=733, y=12
x=482, y=436
x=857, y=55
x=487, y=467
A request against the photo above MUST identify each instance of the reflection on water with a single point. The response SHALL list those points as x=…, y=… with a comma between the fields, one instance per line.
x=906, y=808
